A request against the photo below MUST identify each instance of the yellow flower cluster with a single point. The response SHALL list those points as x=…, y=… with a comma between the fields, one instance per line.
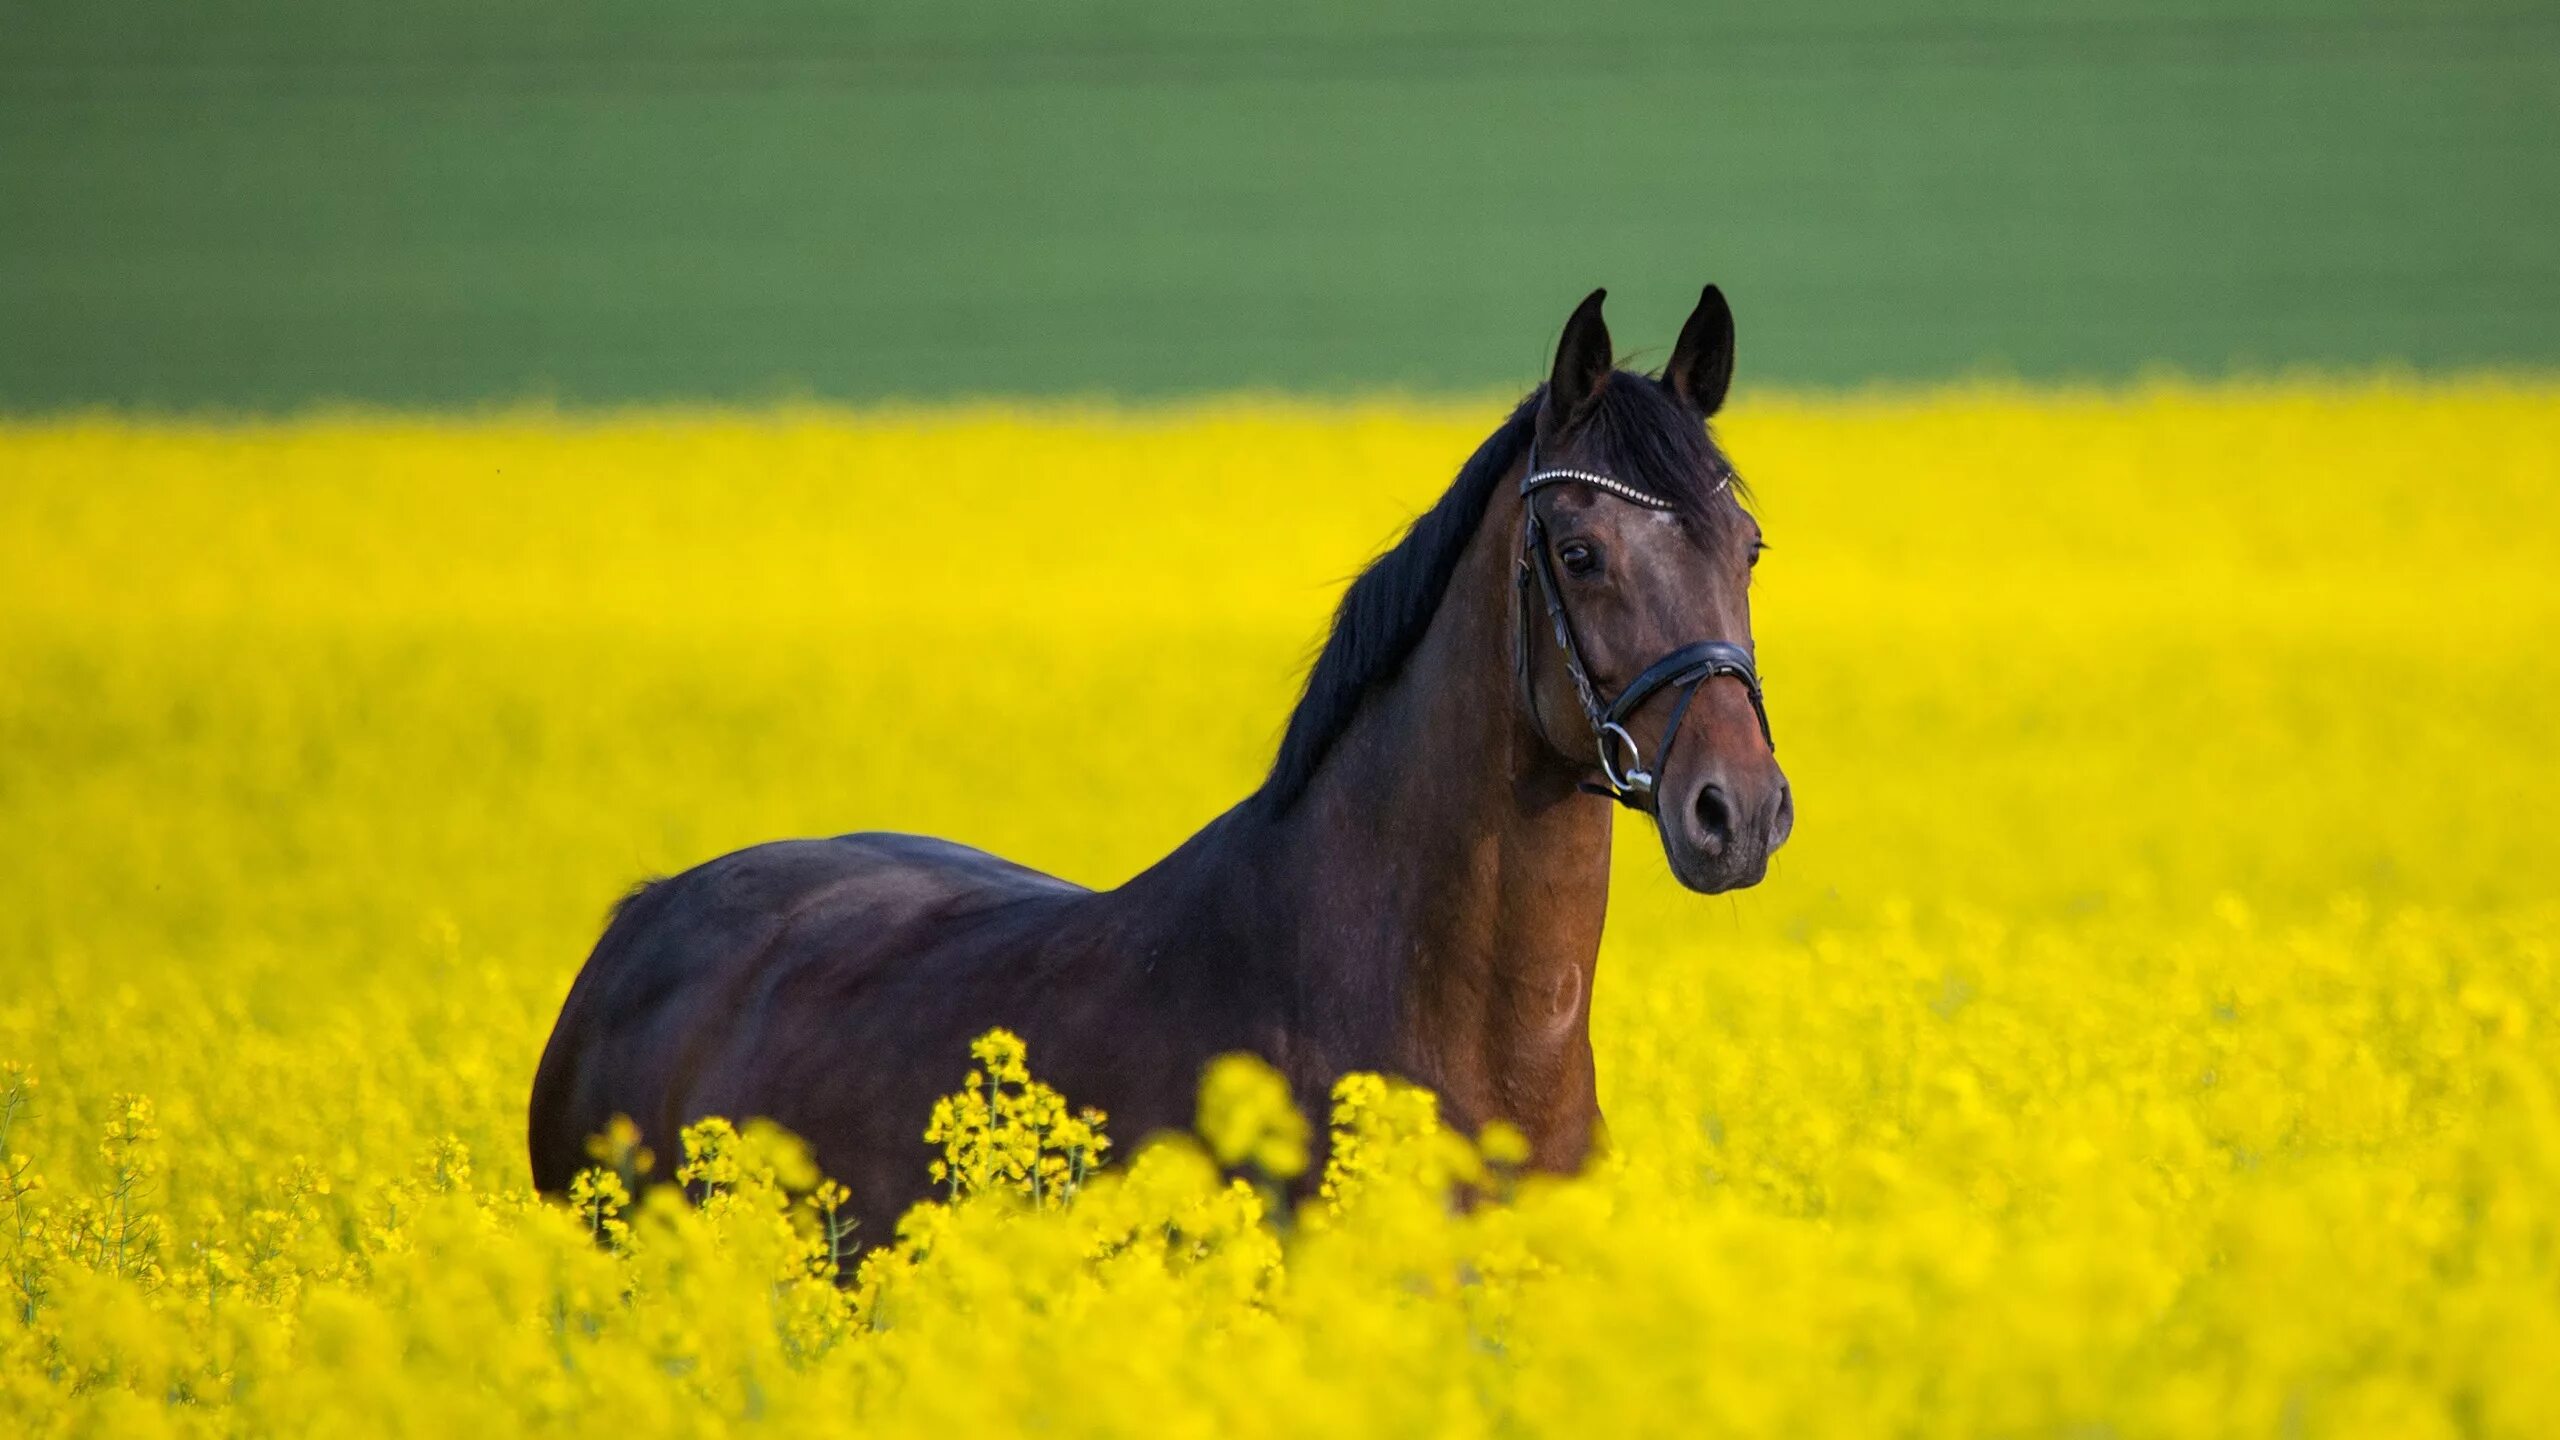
x=1007, y=1131
x=2148, y=1032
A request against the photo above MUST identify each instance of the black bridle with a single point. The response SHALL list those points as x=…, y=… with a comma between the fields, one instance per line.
x=1685, y=669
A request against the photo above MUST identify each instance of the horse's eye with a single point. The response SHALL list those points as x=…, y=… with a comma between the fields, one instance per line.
x=1578, y=558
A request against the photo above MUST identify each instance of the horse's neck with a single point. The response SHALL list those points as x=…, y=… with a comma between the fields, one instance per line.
x=1452, y=881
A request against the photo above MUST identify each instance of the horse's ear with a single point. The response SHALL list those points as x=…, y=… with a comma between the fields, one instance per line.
x=1702, y=363
x=1582, y=365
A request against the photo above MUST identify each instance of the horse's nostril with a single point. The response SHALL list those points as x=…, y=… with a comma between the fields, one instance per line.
x=1715, y=820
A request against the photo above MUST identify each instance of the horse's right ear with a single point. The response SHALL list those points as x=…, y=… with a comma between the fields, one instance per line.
x=1582, y=365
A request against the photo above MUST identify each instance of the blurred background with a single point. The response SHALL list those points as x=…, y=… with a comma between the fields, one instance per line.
x=271, y=204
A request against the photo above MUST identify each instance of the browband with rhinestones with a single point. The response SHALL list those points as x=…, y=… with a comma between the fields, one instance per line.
x=1619, y=488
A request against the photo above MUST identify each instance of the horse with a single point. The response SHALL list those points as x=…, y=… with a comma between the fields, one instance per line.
x=1417, y=887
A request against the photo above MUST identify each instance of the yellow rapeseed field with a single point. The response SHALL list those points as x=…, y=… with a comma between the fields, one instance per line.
x=2154, y=1028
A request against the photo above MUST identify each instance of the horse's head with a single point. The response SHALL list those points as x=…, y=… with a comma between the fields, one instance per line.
x=1635, y=609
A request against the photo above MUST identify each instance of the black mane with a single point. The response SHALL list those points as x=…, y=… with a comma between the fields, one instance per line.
x=1634, y=429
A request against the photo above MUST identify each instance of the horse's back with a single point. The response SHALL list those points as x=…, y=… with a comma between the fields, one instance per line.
x=761, y=951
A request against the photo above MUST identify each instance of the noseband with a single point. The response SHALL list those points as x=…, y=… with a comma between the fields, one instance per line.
x=1629, y=781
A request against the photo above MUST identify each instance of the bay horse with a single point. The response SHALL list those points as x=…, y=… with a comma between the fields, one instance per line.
x=1417, y=887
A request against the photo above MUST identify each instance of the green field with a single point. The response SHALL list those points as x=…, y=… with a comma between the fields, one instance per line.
x=263, y=205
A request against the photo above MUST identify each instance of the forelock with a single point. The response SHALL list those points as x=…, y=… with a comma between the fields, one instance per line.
x=1637, y=432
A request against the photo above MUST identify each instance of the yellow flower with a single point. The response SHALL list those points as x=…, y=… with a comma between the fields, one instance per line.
x=1248, y=1118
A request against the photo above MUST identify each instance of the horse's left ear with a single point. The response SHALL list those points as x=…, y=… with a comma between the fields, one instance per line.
x=1702, y=362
